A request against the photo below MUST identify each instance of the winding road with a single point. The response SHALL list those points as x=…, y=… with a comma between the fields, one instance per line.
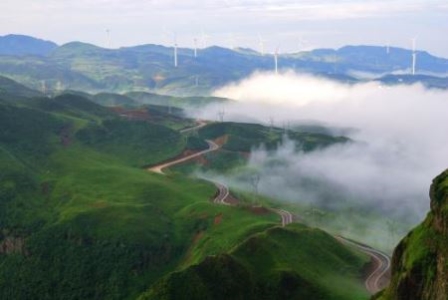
x=379, y=278
x=375, y=282
x=286, y=216
x=159, y=168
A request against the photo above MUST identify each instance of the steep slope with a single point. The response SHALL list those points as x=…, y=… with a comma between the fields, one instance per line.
x=420, y=261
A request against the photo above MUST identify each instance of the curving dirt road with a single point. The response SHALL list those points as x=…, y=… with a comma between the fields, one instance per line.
x=379, y=278
x=375, y=282
x=285, y=215
x=199, y=125
x=159, y=168
x=223, y=194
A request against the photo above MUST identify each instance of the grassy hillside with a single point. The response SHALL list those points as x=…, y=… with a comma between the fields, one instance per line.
x=279, y=263
x=76, y=222
x=245, y=137
x=419, y=264
x=80, y=218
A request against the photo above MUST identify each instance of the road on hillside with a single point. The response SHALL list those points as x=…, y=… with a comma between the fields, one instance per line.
x=212, y=146
x=223, y=191
x=286, y=216
x=376, y=281
x=379, y=277
x=223, y=194
x=199, y=125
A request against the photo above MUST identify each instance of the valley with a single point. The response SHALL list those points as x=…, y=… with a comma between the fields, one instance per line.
x=125, y=177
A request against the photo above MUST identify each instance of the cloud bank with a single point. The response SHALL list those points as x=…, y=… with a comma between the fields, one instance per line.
x=399, y=133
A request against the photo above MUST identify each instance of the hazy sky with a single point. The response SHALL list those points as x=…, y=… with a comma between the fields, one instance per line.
x=291, y=24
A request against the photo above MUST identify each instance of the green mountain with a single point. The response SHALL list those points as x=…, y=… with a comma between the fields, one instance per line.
x=80, y=218
x=420, y=268
x=150, y=68
x=293, y=263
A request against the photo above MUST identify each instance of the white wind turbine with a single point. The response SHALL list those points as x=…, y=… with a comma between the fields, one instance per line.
x=276, y=59
x=261, y=42
x=109, y=43
x=195, y=47
x=175, y=53
x=414, y=55
x=204, y=38
x=232, y=41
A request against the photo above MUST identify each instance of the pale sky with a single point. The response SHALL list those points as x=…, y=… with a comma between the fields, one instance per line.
x=287, y=24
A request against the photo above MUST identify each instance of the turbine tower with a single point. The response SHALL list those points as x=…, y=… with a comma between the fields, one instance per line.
x=108, y=38
x=195, y=47
x=175, y=54
x=261, y=44
x=414, y=55
x=204, y=38
x=276, y=60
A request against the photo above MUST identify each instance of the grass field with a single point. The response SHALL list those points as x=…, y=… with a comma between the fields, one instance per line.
x=81, y=219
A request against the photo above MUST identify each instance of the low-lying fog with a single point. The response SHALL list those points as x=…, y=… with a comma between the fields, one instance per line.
x=400, y=134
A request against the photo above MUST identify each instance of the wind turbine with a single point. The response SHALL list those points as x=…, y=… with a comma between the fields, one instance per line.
x=175, y=53
x=108, y=38
x=195, y=47
x=232, y=41
x=303, y=44
x=261, y=44
x=414, y=55
x=204, y=38
x=276, y=59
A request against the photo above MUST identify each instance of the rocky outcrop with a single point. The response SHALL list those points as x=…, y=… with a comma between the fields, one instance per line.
x=420, y=261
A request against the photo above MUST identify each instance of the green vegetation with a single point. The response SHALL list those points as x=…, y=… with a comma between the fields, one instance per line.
x=138, y=142
x=110, y=99
x=279, y=263
x=77, y=222
x=10, y=88
x=80, y=218
x=180, y=102
x=420, y=269
x=245, y=137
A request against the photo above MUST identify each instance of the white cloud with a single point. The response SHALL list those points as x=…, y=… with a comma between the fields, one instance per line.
x=400, y=144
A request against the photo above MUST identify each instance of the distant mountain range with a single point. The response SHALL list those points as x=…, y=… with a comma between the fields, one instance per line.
x=47, y=67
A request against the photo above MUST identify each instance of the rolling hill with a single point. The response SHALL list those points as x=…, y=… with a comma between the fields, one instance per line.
x=150, y=68
x=80, y=218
